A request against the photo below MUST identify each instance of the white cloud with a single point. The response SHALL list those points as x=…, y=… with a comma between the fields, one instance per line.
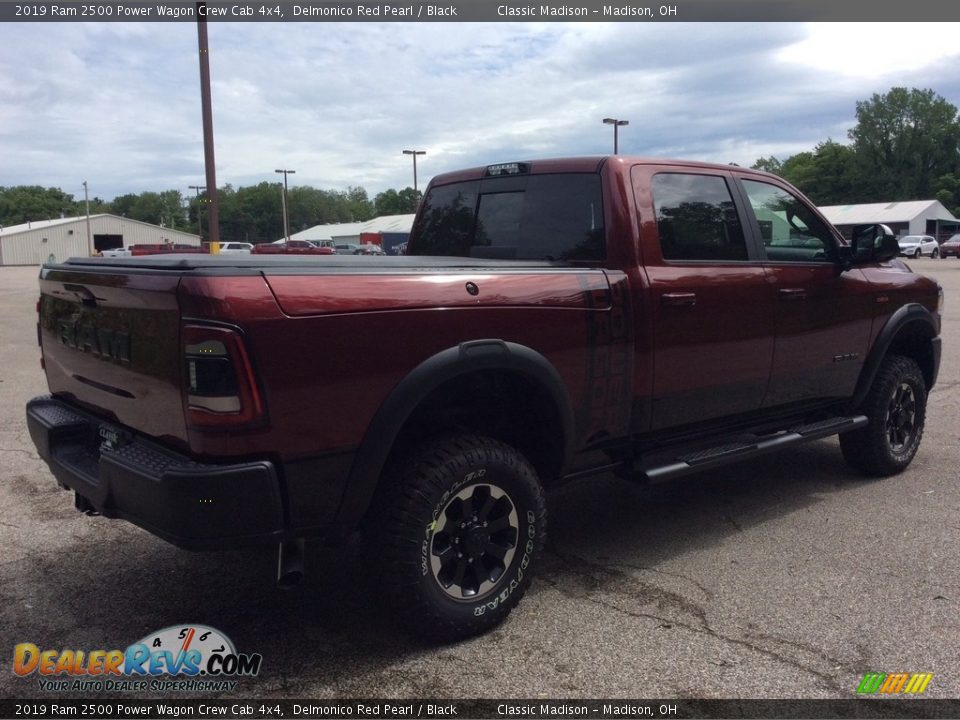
x=873, y=50
x=118, y=104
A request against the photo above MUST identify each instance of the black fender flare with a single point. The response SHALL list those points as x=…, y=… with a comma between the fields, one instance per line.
x=910, y=314
x=396, y=409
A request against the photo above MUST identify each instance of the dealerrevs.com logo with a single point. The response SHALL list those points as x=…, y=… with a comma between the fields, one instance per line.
x=894, y=683
x=180, y=657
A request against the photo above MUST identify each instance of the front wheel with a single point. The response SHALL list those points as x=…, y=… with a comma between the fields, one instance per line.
x=916, y=255
x=460, y=523
x=896, y=407
x=935, y=254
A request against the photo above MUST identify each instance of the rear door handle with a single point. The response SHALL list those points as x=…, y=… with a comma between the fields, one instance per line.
x=793, y=294
x=679, y=299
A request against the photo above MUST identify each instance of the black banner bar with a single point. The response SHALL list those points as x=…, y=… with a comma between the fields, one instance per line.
x=120, y=709
x=484, y=11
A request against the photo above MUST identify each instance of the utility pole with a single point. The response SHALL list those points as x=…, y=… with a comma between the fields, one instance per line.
x=415, y=153
x=86, y=199
x=616, y=125
x=283, y=198
x=213, y=216
x=199, y=188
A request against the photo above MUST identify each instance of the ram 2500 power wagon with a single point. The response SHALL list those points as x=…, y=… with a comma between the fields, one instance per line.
x=551, y=319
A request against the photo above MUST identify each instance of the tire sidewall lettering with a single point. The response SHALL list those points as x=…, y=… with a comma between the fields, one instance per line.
x=473, y=476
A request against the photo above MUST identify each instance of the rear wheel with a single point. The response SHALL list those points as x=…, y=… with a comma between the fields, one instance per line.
x=459, y=528
x=935, y=253
x=896, y=407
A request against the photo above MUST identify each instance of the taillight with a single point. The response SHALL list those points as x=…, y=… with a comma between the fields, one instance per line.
x=43, y=365
x=219, y=384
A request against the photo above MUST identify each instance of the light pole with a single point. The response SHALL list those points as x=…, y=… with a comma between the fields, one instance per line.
x=616, y=125
x=283, y=197
x=198, y=188
x=86, y=199
x=415, y=153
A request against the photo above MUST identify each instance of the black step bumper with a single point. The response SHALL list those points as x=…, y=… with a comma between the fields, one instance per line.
x=194, y=505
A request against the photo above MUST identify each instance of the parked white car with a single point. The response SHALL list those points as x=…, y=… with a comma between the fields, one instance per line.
x=916, y=245
x=117, y=252
x=229, y=248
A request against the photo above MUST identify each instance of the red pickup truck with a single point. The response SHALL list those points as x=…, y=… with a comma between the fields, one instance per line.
x=291, y=247
x=551, y=319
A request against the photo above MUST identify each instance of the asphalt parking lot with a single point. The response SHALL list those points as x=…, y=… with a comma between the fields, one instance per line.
x=785, y=576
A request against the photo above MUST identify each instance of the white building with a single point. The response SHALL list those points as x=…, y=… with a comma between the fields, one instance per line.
x=388, y=231
x=910, y=217
x=34, y=243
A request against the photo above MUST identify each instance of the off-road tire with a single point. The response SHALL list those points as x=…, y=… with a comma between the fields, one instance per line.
x=442, y=569
x=896, y=407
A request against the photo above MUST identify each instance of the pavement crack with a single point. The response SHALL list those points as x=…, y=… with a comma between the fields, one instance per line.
x=29, y=453
x=680, y=576
x=601, y=578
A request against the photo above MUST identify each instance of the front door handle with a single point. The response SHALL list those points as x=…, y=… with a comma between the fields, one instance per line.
x=679, y=299
x=793, y=294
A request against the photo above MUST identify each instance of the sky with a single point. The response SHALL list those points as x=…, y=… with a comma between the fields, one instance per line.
x=118, y=104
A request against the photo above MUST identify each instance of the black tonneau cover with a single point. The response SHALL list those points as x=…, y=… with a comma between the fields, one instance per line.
x=188, y=262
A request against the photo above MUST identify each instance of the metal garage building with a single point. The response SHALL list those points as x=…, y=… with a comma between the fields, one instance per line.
x=912, y=217
x=34, y=243
x=392, y=230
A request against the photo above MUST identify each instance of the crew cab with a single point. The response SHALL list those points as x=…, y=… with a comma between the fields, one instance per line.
x=550, y=320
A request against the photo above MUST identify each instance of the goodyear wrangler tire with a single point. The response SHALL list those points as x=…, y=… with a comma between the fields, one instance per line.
x=461, y=523
x=896, y=407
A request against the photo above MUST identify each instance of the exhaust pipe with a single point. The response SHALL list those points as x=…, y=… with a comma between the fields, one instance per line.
x=82, y=504
x=290, y=563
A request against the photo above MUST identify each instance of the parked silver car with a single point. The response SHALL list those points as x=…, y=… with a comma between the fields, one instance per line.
x=916, y=245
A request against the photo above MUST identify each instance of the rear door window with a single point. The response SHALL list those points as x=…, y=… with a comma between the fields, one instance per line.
x=697, y=219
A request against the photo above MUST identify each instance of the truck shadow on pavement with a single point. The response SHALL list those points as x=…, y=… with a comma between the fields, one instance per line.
x=329, y=636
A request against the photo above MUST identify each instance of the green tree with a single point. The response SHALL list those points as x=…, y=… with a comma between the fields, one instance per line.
x=251, y=214
x=947, y=191
x=768, y=164
x=359, y=204
x=905, y=140
x=157, y=208
x=391, y=202
x=24, y=203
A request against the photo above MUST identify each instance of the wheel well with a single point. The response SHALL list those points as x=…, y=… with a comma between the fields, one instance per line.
x=913, y=341
x=503, y=404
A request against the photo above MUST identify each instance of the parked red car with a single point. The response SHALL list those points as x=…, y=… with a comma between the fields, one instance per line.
x=951, y=247
x=164, y=248
x=292, y=247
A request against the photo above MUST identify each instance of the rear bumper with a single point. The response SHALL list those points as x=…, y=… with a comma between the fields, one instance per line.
x=195, y=505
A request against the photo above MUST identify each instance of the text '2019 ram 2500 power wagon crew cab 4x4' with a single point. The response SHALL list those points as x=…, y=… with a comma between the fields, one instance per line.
x=551, y=319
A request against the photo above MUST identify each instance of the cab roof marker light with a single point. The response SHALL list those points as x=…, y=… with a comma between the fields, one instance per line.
x=516, y=168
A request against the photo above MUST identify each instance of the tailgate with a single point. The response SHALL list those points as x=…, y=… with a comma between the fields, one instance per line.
x=111, y=342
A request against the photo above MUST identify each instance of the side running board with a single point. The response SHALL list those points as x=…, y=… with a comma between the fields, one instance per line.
x=662, y=466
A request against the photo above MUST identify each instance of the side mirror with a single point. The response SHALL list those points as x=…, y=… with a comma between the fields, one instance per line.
x=873, y=243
